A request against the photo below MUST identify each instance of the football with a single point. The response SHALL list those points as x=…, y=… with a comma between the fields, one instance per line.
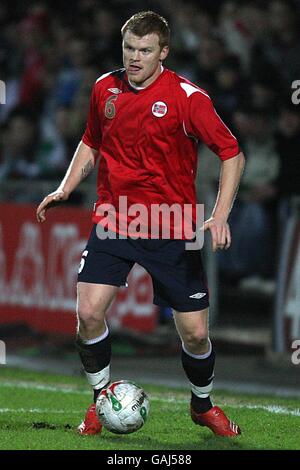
x=123, y=407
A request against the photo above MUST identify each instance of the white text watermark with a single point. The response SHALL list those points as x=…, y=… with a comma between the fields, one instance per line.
x=296, y=94
x=2, y=352
x=157, y=221
x=295, y=358
x=2, y=92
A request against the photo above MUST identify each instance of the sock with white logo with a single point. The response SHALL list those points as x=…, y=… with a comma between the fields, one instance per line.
x=95, y=355
x=200, y=372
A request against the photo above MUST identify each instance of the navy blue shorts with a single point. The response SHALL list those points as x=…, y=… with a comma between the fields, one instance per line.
x=177, y=274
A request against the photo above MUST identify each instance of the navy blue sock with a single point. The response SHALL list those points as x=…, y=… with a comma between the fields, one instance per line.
x=95, y=358
x=200, y=372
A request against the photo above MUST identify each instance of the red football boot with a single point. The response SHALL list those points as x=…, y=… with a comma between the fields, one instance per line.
x=91, y=424
x=216, y=420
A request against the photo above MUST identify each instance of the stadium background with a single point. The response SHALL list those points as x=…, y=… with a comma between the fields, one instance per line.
x=247, y=56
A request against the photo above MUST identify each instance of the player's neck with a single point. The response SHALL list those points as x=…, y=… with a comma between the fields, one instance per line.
x=136, y=87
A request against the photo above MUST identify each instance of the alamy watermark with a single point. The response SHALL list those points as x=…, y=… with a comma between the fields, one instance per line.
x=296, y=94
x=2, y=92
x=2, y=352
x=295, y=358
x=155, y=221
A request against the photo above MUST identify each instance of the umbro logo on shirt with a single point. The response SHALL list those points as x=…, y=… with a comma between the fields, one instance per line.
x=116, y=91
x=199, y=295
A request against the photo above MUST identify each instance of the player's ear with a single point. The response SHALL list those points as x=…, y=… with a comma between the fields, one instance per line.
x=164, y=52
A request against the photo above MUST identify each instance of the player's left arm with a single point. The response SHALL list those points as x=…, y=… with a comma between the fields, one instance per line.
x=217, y=224
x=202, y=121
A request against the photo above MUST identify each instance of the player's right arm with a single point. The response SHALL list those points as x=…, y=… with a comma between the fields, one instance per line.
x=83, y=162
x=81, y=165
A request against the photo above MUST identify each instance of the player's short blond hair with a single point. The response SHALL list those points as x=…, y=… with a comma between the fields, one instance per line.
x=147, y=22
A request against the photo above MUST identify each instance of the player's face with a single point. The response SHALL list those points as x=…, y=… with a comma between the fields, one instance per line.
x=141, y=58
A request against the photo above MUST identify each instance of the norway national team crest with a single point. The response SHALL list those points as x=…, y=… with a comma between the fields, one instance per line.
x=159, y=109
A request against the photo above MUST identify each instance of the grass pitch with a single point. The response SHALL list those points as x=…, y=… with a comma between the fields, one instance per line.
x=40, y=411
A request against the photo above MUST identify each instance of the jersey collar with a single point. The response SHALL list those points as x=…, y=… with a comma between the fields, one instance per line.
x=136, y=89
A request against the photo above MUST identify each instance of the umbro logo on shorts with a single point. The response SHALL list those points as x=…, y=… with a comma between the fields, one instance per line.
x=199, y=295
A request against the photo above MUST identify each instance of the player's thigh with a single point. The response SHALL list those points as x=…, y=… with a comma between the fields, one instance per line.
x=192, y=325
x=178, y=277
x=93, y=300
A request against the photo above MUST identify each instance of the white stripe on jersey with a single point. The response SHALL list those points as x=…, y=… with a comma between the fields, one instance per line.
x=189, y=136
x=190, y=89
x=103, y=76
x=225, y=125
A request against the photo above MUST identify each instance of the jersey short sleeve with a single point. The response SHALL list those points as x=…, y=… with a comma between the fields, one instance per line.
x=92, y=134
x=203, y=122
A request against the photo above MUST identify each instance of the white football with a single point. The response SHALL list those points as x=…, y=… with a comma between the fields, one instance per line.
x=123, y=407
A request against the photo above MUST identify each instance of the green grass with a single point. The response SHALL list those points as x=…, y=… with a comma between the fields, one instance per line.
x=41, y=411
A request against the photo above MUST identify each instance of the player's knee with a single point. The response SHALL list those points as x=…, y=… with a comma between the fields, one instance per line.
x=196, y=342
x=88, y=315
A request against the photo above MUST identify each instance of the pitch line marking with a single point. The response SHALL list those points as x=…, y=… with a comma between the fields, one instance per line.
x=37, y=410
x=274, y=409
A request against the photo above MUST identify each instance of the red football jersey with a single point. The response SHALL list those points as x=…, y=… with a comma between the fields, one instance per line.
x=148, y=140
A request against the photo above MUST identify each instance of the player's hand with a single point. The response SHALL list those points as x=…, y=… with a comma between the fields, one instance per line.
x=52, y=200
x=220, y=233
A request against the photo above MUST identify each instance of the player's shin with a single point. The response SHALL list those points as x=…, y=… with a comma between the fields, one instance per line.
x=95, y=355
x=200, y=372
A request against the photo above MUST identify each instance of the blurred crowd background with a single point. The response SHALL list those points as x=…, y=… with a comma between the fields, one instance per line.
x=245, y=54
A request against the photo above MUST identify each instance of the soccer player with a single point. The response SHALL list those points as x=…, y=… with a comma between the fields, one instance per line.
x=143, y=128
